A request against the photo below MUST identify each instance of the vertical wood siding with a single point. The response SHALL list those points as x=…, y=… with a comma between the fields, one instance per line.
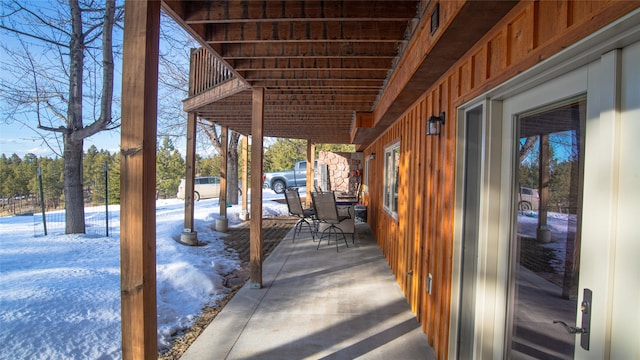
x=420, y=241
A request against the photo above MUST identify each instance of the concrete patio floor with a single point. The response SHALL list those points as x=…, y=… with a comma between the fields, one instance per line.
x=317, y=304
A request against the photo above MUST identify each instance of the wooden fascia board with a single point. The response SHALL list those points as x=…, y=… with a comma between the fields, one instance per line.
x=429, y=56
x=219, y=92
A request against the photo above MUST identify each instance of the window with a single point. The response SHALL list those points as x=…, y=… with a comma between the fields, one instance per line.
x=391, y=172
x=365, y=175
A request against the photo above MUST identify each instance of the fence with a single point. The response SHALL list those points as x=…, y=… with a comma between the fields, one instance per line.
x=96, y=217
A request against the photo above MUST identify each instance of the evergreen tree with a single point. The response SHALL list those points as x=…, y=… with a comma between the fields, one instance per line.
x=90, y=171
x=170, y=167
x=25, y=171
x=6, y=176
x=209, y=166
x=52, y=181
x=283, y=154
x=336, y=148
x=114, y=179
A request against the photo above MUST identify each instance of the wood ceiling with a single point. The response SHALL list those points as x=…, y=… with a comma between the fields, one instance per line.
x=320, y=61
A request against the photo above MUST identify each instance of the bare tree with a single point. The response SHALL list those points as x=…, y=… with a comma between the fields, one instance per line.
x=210, y=130
x=62, y=48
x=527, y=147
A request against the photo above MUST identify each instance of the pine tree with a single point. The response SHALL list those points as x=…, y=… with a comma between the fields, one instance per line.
x=283, y=154
x=170, y=167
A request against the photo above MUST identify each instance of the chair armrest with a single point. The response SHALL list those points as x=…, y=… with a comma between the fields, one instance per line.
x=347, y=211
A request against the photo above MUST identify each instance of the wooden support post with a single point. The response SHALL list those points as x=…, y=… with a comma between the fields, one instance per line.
x=255, y=229
x=190, y=171
x=245, y=175
x=138, y=180
x=311, y=158
x=224, y=148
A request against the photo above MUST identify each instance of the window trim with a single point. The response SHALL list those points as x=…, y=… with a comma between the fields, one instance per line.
x=387, y=191
x=365, y=174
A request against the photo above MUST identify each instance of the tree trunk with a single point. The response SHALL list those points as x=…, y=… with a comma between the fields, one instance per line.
x=232, y=158
x=527, y=147
x=73, y=146
x=73, y=192
x=232, y=169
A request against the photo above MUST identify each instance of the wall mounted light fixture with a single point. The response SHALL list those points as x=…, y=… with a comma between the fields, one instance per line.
x=435, y=123
x=371, y=156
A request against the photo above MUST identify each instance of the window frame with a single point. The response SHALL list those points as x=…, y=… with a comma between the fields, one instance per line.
x=391, y=179
x=365, y=174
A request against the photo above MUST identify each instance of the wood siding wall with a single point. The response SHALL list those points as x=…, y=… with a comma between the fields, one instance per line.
x=420, y=241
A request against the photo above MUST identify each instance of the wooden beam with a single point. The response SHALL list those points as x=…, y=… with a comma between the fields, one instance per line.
x=322, y=84
x=190, y=171
x=217, y=93
x=314, y=74
x=283, y=32
x=254, y=11
x=306, y=63
x=255, y=229
x=138, y=180
x=329, y=50
x=224, y=148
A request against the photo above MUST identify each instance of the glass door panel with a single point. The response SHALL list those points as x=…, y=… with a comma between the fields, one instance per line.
x=546, y=241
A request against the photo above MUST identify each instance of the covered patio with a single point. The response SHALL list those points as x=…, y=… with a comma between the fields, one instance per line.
x=325, y=71
x=318, y=304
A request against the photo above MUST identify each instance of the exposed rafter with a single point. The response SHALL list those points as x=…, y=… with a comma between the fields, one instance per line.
x=320, y=61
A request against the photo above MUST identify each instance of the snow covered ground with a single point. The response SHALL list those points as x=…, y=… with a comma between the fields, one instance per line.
x=561, y=226
x=60, y=294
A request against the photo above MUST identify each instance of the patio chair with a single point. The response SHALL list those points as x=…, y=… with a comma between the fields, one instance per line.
x=305, y=216
x=329, y=221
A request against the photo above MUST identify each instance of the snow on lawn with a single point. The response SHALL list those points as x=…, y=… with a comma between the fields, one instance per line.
x=561, y=226
x=60, y=294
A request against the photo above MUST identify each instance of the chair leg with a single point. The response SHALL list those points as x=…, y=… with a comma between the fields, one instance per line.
x=312, y=228
x=333, y=229
x=320, y=239
x=344, y=237
x=316, y=227
x=298, y=229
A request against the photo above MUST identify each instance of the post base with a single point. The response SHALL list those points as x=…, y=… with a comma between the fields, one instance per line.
x=189, y=238
x=222, y=224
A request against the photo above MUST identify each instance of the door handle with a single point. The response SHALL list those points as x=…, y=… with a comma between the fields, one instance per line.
x=571, y=329
x=585, y=307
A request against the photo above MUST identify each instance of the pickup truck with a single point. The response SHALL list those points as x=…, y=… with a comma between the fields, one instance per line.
x=278, y=181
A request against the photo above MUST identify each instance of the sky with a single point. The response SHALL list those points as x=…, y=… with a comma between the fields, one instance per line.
x=60, y=294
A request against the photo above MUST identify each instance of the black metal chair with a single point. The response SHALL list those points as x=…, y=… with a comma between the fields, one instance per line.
x=330, y=221
x=305, y=216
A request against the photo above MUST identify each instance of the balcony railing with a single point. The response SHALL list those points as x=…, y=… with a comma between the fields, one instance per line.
x=207, y=71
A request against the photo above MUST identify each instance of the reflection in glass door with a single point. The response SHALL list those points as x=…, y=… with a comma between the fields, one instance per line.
x=546, y=240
